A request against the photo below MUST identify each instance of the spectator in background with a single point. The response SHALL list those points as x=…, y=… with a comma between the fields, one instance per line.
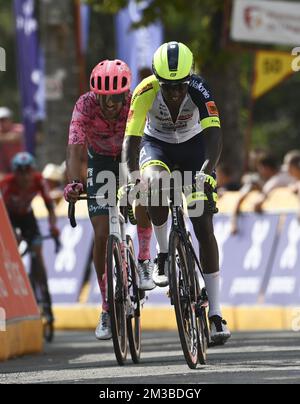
x=11, y=140
x=54, y=176
x=225, y=179
x=273, y=176
x=292, y=162
x=269, y=177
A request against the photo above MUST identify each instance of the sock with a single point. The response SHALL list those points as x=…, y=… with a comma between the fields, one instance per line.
x=212, y=284
x=144, y=236
x=161, y=234
x=102, y=286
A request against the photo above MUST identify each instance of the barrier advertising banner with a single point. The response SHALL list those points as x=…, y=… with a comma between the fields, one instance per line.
x=66, y=270
x=16, y=295
x=20, y=323
x=244, y=257
x=284, y=283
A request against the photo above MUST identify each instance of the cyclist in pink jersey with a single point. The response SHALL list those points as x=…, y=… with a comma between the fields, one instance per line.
x=98, y=125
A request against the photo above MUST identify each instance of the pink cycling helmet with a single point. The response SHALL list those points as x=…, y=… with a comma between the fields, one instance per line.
x=110, y=77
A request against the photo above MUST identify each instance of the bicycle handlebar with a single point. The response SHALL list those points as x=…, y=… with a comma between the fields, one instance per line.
x=71, y=210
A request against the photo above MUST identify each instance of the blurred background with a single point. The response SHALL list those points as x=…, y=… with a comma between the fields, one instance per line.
x=243, y=48
x=249, y=53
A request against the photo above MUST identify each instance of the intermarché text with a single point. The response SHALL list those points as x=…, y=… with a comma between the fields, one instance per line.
x=155, y=393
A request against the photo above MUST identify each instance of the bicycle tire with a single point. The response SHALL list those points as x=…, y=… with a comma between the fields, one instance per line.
x=117, y=297
x=133, y=318
x=202, y=329
x=195, y=293
x=180, y=292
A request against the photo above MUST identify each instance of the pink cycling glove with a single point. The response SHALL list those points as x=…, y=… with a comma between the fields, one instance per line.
x=69, y=188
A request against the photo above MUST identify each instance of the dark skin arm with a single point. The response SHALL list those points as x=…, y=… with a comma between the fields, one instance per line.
x=213, y=147
x=131, y=149
x=74, y=156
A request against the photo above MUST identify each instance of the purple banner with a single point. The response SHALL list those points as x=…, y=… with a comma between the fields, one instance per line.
x=245, y=257
x=28, y=67
x=66, y=270
x=284, y=283
x=85, y=15
x=136, y=46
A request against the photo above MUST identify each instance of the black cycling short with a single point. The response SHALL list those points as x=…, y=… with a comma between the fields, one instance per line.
x=187, y=158
x=103, y=166
x=28, y=226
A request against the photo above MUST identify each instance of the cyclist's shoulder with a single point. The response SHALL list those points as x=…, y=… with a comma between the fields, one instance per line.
x=146, y=88
x=7, y=180
x=86, y=103
x=198, y=87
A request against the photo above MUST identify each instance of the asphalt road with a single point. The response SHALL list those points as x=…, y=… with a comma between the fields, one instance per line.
x=76, y=357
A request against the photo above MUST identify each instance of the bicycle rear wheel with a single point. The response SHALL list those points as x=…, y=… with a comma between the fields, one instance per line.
x=184, y=307
x=134, y=315
x=117, y=296
x=196, y=296
x=202, y=325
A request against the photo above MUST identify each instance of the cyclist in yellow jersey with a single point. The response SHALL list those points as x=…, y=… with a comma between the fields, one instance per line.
x=173, y=123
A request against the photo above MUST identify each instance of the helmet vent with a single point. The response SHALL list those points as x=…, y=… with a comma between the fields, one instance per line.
x=115, y=83
x=173, y=54
x=106, y=83
x=124, y=82
x=99, y=83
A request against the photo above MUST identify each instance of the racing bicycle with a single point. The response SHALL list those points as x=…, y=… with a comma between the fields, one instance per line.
x=124, y=296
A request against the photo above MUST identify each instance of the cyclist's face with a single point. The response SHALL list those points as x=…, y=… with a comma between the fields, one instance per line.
x=111, y=105
x=24, y=177
x=174, y=93
x=5, y=124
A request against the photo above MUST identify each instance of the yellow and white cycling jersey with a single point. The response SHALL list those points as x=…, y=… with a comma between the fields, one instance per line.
x=149, y=113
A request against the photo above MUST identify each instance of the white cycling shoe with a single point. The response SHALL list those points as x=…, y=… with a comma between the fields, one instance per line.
x=145, y=270
x=219, y=332
x=103, y=330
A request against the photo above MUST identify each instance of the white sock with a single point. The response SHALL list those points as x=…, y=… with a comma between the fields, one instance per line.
x=161, y=234
x=212, y=284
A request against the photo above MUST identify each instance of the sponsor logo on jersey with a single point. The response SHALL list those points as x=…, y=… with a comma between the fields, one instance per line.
x=212, y=108
x=199, y=86
x=141, y=91
x=185, y=117
x=144, y=89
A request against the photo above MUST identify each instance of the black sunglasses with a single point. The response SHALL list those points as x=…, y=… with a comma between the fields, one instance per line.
x=174, y=87
x=115, y=98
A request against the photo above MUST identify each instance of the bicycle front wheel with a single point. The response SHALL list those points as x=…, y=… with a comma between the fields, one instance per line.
x=117, y=296
x=134, y=315
x=180, y=288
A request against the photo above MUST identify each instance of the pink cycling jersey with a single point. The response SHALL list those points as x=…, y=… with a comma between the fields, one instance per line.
x=90, y=128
